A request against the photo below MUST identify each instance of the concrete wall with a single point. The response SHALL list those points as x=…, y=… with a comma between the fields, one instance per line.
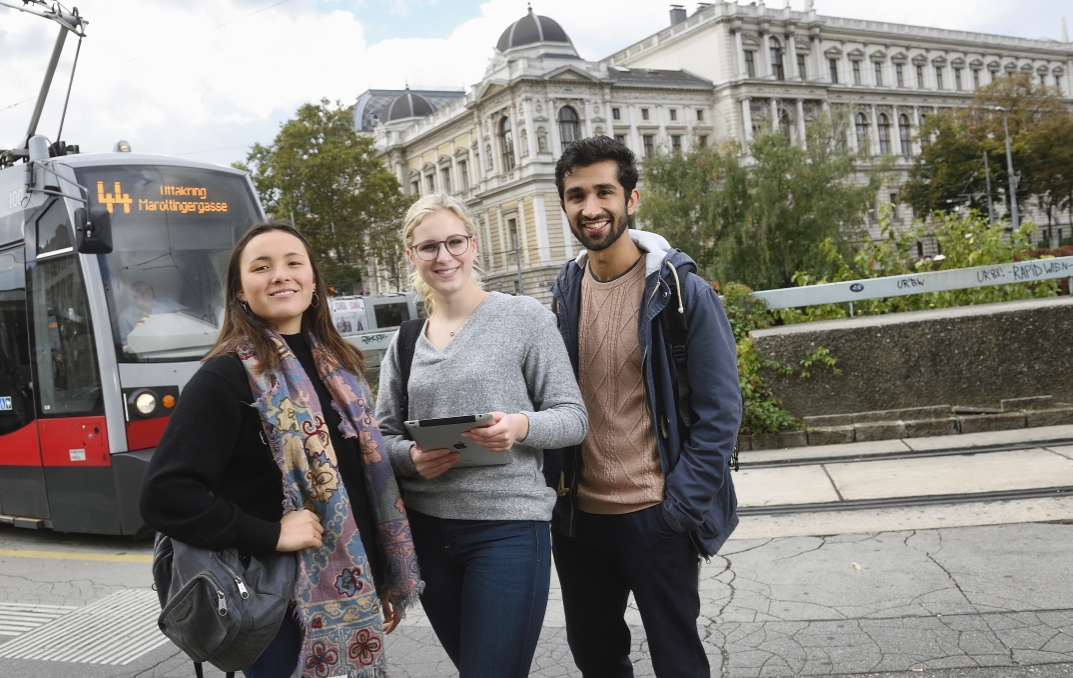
x=969, y=356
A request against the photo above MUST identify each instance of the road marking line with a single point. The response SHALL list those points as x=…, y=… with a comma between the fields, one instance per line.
x=69, y=555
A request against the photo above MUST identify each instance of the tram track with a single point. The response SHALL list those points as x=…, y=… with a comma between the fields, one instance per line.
x=906, y=454
x=786, y=486
x=903, y=502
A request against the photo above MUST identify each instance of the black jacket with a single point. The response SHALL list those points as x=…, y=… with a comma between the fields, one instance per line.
x=212, y=481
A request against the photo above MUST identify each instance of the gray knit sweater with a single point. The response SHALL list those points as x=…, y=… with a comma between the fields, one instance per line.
x=508, y=357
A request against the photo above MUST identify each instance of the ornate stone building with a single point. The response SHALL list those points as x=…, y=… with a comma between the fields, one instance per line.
x=721, y=73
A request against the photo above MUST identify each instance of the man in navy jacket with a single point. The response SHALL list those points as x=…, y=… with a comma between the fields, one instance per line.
x=649, y=491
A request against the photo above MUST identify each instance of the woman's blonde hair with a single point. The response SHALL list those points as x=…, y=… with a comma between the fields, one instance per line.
x=418, y=212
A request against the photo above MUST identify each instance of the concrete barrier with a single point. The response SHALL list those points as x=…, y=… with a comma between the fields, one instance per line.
x=970, y=356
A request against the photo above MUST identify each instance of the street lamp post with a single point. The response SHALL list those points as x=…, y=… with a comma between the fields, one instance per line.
x=1014, y=219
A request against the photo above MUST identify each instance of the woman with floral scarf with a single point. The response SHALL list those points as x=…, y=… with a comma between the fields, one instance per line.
x=273, y=447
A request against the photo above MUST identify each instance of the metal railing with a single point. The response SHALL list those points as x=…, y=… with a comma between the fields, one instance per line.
x=918, y=283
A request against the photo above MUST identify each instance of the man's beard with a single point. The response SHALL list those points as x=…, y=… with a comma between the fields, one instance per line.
x=604, y=240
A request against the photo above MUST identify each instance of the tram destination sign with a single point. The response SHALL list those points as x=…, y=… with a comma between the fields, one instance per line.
x=157, y=197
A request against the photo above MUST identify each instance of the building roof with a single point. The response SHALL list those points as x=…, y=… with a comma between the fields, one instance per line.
x=409, y=105
x=655, y=77
x=531, y=29
x=372, y=105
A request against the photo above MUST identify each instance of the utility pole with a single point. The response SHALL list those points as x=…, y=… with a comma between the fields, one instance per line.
x=987, y=176
x=1015, y=221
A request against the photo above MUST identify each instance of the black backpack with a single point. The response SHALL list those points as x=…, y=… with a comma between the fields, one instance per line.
x=220, y=607
x=409, y=331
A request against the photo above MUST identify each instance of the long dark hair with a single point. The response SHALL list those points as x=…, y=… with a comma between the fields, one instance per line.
x=241, y=325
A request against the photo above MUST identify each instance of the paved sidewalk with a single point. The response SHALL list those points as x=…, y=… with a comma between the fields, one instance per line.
x=862, y=591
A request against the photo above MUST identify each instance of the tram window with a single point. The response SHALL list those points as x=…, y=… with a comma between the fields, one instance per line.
x=53, y=230
x=173, y=230
x=16, y=398
x=67, y=379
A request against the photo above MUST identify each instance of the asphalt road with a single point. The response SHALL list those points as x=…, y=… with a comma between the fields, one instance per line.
x=974, y=589
x=981, y=601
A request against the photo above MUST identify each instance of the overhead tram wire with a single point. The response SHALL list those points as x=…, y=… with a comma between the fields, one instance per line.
x=133, y=59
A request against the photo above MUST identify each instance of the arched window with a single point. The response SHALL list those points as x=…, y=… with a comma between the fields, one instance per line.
x=507, y=139
x=785, y=125
x=776, y=60
x=904, y=134
x=883, y=126
x=568, y=125
x=862, y=133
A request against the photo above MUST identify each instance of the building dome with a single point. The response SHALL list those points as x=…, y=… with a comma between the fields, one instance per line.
x=408, y=105
x=531, y=29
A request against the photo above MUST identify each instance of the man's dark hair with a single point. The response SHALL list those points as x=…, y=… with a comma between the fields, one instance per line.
x=586, y=152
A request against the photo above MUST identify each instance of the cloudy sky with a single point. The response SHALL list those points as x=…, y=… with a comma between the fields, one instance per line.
x=207, y=78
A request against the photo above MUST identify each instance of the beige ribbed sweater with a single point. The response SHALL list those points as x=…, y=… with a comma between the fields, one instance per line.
x=620, y=468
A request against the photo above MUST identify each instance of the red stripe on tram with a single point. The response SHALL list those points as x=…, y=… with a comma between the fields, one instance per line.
x=20, y=448
x=74, y=441
x=141, y=435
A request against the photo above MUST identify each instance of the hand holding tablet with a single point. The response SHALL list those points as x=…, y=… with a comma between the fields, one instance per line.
x=461, y=441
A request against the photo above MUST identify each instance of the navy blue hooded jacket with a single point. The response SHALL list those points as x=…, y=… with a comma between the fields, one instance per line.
x=696, y=460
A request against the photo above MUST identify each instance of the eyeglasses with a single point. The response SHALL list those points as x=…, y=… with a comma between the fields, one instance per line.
x=430, y=249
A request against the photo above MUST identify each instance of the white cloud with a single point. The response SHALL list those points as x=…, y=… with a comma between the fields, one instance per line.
x=157, y=72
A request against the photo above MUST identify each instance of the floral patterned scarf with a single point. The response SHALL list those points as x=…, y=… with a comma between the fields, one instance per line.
x=337, y=604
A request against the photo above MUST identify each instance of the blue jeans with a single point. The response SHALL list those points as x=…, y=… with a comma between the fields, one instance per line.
x=281, y=656
x=486, y=589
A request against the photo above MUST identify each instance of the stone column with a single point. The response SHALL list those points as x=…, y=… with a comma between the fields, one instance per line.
x=852, y=121
x=530, y=130
x=914, y=124
x=746, y=121
x=801, y=123
x=816, y=52
x=555, y=144
x=496, y=142
x=765, y=55
x=739, y=50
x=540, y=219
x=568, y=235
x=847, y=72
x=875, y=132
x=635, y=135
x=774, y=115
x=789, y=58
x=587, y=112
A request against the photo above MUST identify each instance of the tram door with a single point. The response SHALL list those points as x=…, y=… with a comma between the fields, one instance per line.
x=22, y=478
x=67, y=383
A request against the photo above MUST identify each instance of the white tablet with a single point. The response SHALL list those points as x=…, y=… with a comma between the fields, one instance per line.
x=433, y=434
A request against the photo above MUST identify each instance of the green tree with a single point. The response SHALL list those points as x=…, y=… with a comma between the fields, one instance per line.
x=759, y=224
x=321, y=173
x=950, y=169
x=964, y=240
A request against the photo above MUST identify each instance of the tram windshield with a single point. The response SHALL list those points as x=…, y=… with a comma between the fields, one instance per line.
x=173, y=229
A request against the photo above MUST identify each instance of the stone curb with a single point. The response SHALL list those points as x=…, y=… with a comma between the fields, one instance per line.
x=893, y=430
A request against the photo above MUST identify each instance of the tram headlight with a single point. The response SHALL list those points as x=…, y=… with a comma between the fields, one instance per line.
x=145, y=403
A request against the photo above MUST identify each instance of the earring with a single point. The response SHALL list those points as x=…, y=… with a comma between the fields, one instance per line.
x=244, y=305
x=316, y=299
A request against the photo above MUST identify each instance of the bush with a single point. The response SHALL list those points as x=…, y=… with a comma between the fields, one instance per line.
x=763, y=413
x=963, y=241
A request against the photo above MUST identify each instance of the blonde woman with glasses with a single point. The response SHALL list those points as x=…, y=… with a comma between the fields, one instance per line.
x=481, y=533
